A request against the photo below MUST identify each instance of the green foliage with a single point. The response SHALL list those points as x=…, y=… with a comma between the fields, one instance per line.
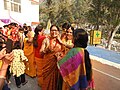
x=60, y=11
x=66, y=16
x=104, y=12
x=94, y=12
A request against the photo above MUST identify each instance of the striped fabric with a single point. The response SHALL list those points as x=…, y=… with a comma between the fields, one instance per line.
x=72, y=69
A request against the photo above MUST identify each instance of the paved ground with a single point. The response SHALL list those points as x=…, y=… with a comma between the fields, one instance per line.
x=105, y=54
x=106, y=77
x=31, y=85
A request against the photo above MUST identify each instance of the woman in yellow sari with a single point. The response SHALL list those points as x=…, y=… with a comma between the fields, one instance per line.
x=29, y=53
x=67, y=40
x=68, y=44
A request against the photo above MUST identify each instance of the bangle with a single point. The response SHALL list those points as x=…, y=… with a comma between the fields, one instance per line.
x=2, y=77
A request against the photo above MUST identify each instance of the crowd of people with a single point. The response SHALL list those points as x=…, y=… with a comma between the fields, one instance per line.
x=59, y=61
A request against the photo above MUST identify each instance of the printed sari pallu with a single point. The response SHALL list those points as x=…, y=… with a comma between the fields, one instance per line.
x=72, y=69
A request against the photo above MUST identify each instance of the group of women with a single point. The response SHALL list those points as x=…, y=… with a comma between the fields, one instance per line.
x=60, y=61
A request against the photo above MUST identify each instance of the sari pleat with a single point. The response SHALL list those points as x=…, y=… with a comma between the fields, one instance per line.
x=29, y=53
x=39, y=60
x=39, y=65
x=50, y=73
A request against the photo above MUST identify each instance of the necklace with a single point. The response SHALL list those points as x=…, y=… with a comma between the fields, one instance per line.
x=53, y=44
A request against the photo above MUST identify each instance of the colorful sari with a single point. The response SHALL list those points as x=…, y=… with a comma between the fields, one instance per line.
x=29, y=53
x=72, y=69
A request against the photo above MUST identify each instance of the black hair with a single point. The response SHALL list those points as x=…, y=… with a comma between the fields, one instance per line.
x=38, y=29
x=17, y=45
x=66, y=26
x=25, y=27
x=29, y=28
x=71, y=29
x=13, y=24
x=5, y=26
x=56, y=27
x=21, y=29
x=80, y=38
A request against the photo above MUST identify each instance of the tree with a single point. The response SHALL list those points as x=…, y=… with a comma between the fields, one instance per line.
x=47, y=10
x=95, y=14
x=65, y=12
x=112, y=18
x=79, y=10
x=58, y=11
x=105, y=12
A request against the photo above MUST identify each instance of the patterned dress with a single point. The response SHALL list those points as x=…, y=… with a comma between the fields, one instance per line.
x=17, y=66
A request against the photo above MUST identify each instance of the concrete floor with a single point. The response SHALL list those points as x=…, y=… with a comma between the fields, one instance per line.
x=31, y=85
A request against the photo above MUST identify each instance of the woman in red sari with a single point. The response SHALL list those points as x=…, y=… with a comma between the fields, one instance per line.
x=51, y=47
x=37, y=42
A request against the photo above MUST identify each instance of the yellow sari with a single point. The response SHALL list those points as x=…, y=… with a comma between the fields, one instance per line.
x=29, y=53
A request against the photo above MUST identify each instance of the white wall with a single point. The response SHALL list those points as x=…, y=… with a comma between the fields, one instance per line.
x=29, y=13
x=3, y=13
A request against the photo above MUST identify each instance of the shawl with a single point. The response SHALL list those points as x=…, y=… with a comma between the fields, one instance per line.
x=72, y=69
x=37, y=50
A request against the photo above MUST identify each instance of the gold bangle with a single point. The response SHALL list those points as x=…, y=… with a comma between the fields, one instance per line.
x=2, y=77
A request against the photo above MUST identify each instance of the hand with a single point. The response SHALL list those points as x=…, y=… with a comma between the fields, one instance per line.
x=8, y=58
x=2, y=53
x=59, y=55
x=6, y=61
x=59, y=39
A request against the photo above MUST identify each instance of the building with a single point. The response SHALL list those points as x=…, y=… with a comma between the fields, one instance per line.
x=19, y=11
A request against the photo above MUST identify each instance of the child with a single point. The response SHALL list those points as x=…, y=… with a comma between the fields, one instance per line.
x=17, y=67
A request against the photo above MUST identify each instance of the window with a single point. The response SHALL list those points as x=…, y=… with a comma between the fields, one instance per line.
x=5, y=4
x=12, y=5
